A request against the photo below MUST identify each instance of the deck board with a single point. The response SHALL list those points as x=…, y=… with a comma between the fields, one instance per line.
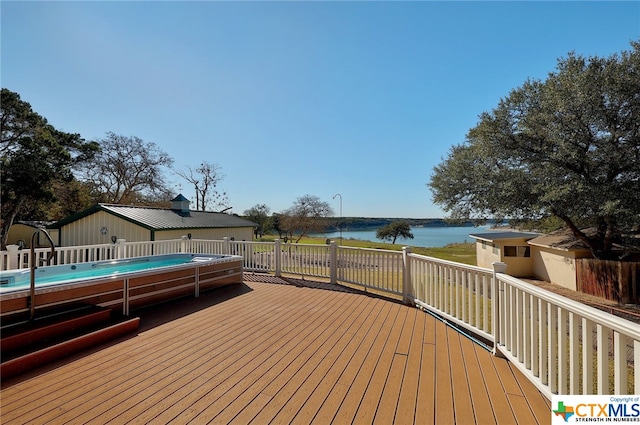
x=502, y=410
x=537, y=403
x=299, y=390
x=383, y=377
x=405, y=411
x=279, y=352
x=481, y=402
x=300, y=365
x=360, y=383
x=426, y=400
x=126, y=385
x=444, y=403
x=463, y=406
x=328, y=388
x=338, y=393
x=238, y=372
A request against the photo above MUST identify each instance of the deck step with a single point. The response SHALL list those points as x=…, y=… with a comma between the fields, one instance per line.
x=22, y=336
x=29, y=345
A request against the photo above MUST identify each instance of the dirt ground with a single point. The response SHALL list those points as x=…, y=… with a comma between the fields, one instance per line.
x=627, y=311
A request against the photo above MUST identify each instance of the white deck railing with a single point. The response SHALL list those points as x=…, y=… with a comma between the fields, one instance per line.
x=566, y=347
x=563, y=346
x=14, y=258
x=458, y=292
x=373, y=269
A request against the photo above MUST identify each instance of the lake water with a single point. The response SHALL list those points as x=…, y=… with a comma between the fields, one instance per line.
x=422, y=236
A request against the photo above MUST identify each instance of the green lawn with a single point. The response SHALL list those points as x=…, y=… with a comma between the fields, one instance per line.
x=464, y=253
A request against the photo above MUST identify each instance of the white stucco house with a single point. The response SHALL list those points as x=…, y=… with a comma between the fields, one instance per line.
x=551, y=257
x=554, y=257
x=510, y=248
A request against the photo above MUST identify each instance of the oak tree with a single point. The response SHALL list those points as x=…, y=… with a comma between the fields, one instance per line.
x=259, y=214
x=36, y=161
x=394, y=230
x=568, y=147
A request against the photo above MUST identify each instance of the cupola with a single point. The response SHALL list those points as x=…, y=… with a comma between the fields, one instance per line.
x=180, y=205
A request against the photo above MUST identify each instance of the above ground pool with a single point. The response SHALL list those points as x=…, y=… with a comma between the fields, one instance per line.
x=69, y=273
x=126, y=283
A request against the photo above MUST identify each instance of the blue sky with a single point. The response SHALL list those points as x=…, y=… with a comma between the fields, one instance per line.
x=295, y=98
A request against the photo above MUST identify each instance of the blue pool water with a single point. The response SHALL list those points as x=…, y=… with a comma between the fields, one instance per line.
x=51, y=275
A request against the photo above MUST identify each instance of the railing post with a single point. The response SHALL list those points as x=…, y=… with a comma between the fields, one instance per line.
x=183, y=244
x=407, y=297
x=12, y=257
x=120, y=248
x=277, y=252
x=227, y=245
x=333, y=262
x=498, y=267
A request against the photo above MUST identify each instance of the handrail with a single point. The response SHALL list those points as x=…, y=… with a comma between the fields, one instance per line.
x=34, y=266
x=610, y=321
x=561, y=345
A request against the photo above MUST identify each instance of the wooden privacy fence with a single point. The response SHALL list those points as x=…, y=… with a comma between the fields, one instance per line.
x=613, y=280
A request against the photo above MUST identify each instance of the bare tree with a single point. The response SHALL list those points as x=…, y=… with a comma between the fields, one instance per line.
x=205, y=179
x=304, y=216
x=127, y=170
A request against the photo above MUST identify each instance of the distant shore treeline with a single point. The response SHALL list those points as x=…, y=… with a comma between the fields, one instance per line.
x=368, y=223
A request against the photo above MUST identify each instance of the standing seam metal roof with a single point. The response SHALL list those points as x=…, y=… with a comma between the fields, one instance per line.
x=164, y=218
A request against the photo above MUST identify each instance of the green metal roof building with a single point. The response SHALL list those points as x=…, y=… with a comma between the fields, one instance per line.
x=104, y=223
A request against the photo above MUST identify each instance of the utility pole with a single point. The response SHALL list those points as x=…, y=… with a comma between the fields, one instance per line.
x=334, y=197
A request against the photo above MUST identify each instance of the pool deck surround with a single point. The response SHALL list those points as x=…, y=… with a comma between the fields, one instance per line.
x=279, y=350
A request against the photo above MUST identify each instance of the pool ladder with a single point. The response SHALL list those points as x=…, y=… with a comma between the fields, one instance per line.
x=34, y=266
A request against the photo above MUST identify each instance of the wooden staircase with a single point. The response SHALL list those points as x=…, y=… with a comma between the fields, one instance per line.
x=58, y=334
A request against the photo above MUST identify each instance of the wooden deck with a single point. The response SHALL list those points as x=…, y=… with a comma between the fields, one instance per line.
x=282, y=352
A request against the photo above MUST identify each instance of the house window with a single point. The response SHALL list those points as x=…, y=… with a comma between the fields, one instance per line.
x=510, y=251
x=517, y=251
x=490, y=245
